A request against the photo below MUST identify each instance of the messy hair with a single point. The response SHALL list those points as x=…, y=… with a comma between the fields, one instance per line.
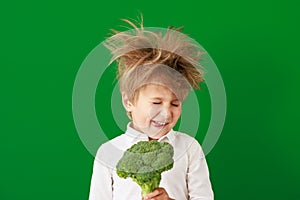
x=140, y=46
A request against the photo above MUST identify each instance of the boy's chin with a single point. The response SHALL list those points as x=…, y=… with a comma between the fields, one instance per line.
x=156, y=134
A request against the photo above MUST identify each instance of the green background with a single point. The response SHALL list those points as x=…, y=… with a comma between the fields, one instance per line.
x=254, y=43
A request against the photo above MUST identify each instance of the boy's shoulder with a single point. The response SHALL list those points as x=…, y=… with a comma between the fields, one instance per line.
x=111, y=151
x=187, y=143
x=184, y=137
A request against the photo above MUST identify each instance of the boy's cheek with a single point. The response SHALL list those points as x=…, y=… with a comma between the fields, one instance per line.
x=153, y=111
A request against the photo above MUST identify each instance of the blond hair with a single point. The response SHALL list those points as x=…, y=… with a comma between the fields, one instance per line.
x=140, y=47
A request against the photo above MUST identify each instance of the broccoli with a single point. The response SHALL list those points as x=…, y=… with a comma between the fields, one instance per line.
x=144, y=162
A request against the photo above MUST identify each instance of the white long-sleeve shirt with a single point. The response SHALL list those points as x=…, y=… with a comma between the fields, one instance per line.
x=187, y=180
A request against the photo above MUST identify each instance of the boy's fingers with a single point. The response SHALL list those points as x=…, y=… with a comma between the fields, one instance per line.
x=155, y=193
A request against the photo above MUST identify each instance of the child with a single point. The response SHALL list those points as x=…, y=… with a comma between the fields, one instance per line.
x=156, y=73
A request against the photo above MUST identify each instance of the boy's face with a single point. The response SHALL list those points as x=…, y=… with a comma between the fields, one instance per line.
x=156, y=110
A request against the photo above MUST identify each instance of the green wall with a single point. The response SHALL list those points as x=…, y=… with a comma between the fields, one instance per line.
x=255, y=45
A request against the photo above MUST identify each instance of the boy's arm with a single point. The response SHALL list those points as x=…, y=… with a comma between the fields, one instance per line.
x=199, y=186
x=101, y=183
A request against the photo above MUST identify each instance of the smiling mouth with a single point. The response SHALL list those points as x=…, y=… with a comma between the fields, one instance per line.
x=159, y=124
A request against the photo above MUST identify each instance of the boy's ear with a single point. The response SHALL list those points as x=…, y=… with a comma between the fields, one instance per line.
x=126, y=103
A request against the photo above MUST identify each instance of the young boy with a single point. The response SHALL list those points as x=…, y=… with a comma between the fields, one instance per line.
x=156, y=72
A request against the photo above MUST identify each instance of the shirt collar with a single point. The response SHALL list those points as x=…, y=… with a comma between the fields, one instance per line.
x=134, y=134
x=138, y=136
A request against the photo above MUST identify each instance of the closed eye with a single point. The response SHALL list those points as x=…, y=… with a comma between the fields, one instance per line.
x=156, y=103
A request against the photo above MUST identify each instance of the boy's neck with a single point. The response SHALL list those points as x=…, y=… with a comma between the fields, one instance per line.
x=151, y=138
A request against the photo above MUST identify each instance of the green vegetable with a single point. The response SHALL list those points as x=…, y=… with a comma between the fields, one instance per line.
x=144, y=162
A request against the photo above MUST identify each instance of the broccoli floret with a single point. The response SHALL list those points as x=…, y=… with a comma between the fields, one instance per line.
x=144, y=162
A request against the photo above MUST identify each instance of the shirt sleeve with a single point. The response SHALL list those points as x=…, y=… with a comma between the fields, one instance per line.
x=198, y=182
x=101, y=182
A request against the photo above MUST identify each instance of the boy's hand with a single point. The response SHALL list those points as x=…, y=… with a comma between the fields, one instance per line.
x=158, y=194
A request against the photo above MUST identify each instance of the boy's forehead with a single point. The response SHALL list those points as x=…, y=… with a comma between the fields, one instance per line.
x=158, y=91
x=155, y=74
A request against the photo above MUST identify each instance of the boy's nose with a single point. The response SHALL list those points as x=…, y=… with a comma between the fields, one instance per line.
x=166, y=112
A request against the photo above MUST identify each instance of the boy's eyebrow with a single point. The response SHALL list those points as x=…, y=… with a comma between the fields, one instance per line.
x=159, y=98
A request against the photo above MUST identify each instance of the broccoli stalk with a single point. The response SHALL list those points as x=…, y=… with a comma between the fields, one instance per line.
x=148, y=187
x=144, y=162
